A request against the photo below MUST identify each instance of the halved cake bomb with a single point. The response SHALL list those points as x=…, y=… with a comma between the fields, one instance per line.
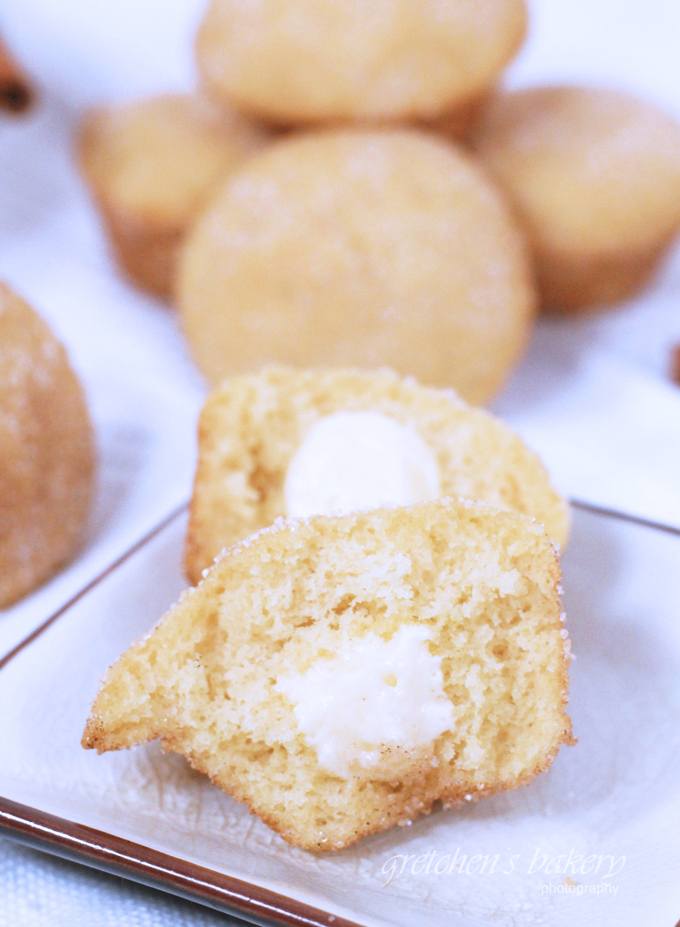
x=312, y=61
x=359, y=248
x=340, y=675
x=151, y=164
x=595, y=176
x=289, y=443
x=47, y=455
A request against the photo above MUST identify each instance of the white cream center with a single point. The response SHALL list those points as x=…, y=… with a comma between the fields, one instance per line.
x=351, y=461
x=373, y=699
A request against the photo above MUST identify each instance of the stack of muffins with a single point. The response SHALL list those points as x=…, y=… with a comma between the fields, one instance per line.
x=349, y=186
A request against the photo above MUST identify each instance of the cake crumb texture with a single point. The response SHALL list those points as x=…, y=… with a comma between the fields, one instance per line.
x=482, y=581
x=252, y=425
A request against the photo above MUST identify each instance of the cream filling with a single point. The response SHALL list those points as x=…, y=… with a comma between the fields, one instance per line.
x=374, y=710
x=351, y=461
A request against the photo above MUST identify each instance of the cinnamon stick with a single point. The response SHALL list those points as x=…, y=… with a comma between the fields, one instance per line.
x=16, y=94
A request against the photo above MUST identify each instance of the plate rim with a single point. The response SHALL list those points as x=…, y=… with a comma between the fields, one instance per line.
x=139, y=863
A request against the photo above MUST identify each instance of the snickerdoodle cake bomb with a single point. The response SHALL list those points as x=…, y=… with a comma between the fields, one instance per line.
x=340, y=675
x=295, y=443
x=595, y=177
x=47, y=456
x=359, y=248
x=151, y=164
x=312, y=61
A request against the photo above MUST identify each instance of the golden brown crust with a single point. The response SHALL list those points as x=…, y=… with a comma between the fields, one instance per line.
x=146, y=251
x=151, y=165
x=47, y=456
x=581, y=283
x=458, y=124
x=594, y=176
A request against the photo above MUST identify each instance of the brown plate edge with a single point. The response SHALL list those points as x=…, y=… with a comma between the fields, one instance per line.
x=121, y=857
x=625, y=516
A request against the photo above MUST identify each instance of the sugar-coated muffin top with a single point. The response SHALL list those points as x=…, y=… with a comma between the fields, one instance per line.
x=325, y=60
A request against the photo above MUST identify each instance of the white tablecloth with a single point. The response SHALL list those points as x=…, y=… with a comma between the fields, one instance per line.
x=37, y=890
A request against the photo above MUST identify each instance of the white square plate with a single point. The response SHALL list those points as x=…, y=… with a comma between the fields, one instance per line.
x=595, y=841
